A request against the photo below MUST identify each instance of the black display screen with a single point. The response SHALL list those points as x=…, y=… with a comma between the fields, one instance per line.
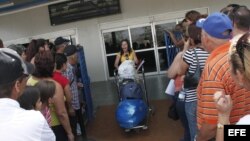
x=75, y=10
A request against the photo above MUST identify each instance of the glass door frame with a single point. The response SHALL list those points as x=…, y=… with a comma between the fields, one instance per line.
x=150, y=49
x=152, y=21
x=104, y=48
x=130, y=39
x=155, y=47
x=176, y=20
x=107, y=31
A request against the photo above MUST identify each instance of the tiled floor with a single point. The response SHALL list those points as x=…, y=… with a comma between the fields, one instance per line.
x=105, y=93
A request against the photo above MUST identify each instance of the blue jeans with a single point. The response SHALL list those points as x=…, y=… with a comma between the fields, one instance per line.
x=180, y=106
x=191, y=108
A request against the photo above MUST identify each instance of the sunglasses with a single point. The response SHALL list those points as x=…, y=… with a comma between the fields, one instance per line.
x=126, y=57
x=23, y=77
x=241, y=45
x=235, y=13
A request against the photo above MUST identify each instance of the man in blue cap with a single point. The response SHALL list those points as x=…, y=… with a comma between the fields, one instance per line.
x=60, y=44
x=216, y=74
x=71, y=53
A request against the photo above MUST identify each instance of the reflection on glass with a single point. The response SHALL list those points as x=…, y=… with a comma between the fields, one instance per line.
x=162, y=59
x=112, y=40
x=111, y=62
x=141, y=38
x=160, y=28
x=149, y=57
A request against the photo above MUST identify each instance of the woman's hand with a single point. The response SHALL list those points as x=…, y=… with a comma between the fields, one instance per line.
x=169, y=32
x=186, y=43
x=80, y=85
x=70, y=137
x=223, y=103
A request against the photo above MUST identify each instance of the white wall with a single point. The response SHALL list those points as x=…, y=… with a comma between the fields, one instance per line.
x=36, y=21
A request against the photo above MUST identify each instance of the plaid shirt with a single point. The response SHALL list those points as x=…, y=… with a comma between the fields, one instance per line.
x=71, y=76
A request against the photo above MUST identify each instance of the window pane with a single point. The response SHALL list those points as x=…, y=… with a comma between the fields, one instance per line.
x=160, y=28
x=112, y=40
x=111, y=62
x=141, y=37
x=163, y=59
x=149, y=57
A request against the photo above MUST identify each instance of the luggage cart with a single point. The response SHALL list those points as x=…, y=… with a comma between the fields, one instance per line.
x=140, y=79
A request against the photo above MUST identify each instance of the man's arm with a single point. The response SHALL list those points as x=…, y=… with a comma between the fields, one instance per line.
x=206, y=132
x=207, y=113
x=177, y=43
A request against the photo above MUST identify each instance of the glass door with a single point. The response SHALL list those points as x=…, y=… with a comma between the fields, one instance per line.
x=143, y=43
x=147, y=40
x=112, y=39
x=160, y=28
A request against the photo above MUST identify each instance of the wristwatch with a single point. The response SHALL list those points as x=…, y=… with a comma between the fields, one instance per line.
x=220, y=126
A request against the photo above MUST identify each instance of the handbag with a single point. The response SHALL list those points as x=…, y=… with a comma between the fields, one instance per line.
x=192, y=80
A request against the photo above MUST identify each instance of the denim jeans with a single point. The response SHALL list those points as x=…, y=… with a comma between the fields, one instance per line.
x=180, y=106
x=191, y=108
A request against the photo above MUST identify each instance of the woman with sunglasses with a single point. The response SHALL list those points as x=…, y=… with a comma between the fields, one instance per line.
x=126, y=53
x=34, y=47
x=190, y=63
x=240, y=70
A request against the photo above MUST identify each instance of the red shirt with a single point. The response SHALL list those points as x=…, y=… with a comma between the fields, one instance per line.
x=62, y=80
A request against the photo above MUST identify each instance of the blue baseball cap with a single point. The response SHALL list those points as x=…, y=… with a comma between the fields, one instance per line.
x=216, y=24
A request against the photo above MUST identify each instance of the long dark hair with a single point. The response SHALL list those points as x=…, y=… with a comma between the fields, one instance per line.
x=194, y=33
x=29, y=98
x=33, y=48
x=47, y=90
x=44, y=64
x=193, y=16
x=129, y=47
x=41, y=43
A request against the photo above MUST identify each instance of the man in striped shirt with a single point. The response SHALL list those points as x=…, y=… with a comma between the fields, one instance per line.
x=71, y=52
x=216, y=74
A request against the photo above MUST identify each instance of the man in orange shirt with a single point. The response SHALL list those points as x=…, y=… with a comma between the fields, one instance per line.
x=216, y=74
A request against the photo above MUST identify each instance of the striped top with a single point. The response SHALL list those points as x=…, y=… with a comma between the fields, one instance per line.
x=190, y=58
x=48, y=113
x=216, y=76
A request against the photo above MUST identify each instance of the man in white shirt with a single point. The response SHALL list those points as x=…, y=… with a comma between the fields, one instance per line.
x=17, y=124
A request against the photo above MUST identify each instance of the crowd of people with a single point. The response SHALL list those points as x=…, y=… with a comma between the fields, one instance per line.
x=211, y=72
x=39, y=88
x=40, y=92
